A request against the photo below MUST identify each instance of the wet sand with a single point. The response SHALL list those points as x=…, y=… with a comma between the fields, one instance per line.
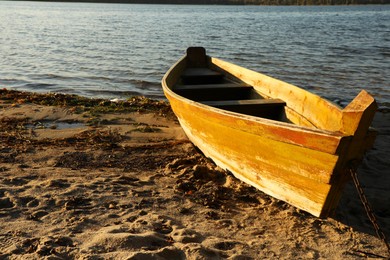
x=94, y=179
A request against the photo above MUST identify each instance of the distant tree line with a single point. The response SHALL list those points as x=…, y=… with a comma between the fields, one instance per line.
x=237, y=2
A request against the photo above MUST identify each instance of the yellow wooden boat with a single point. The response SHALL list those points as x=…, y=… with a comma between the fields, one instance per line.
x=283, y=140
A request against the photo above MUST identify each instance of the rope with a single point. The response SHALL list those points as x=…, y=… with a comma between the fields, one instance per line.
x=369, y=211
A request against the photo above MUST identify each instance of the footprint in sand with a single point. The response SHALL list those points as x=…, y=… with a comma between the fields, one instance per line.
x=57, y=183
x=118, y=238
x=144, y=236
x=28, y=201
x=220, y=246
x=185, y=235
x=6, y=200
x=6, y=203
x=48, y=246
x=16, y=181
x=37, y=215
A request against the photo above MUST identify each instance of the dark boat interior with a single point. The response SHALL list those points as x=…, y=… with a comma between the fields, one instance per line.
x=213, y=88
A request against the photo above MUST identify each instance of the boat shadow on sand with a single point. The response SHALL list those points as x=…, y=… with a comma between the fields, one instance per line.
x=374, y=178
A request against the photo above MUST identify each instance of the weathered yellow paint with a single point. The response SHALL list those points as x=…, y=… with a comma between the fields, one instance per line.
x=310, y=163
x=301, y=163
x=285, y=171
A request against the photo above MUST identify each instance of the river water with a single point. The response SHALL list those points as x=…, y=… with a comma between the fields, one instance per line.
x=120, y=50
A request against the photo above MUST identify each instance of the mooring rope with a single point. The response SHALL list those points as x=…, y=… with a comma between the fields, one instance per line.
x=370, y=213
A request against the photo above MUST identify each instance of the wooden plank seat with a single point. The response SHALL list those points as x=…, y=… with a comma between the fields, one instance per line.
x=225, y=91
x=266, y=108
x=228, y=85
x=195, y=76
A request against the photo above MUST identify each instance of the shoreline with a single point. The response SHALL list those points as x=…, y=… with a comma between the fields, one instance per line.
x=92, y=179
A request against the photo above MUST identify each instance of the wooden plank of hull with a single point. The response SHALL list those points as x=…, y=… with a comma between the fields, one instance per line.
x=250, y=159
x=278, y=154
x=282, y=132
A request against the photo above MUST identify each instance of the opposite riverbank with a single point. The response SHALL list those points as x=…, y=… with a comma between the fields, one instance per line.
x=234, y=2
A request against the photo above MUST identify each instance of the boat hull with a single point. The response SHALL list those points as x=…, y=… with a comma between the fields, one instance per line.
x=303, y=166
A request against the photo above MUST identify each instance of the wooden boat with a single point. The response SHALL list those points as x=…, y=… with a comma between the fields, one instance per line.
x=283, y=140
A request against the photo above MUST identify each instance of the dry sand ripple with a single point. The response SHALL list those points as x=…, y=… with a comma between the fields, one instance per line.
x=121, y=181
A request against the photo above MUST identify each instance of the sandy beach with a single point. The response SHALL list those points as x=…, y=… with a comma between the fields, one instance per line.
x=95, y=179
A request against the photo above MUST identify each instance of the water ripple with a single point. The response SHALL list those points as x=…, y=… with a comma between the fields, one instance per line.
x=116, y=51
